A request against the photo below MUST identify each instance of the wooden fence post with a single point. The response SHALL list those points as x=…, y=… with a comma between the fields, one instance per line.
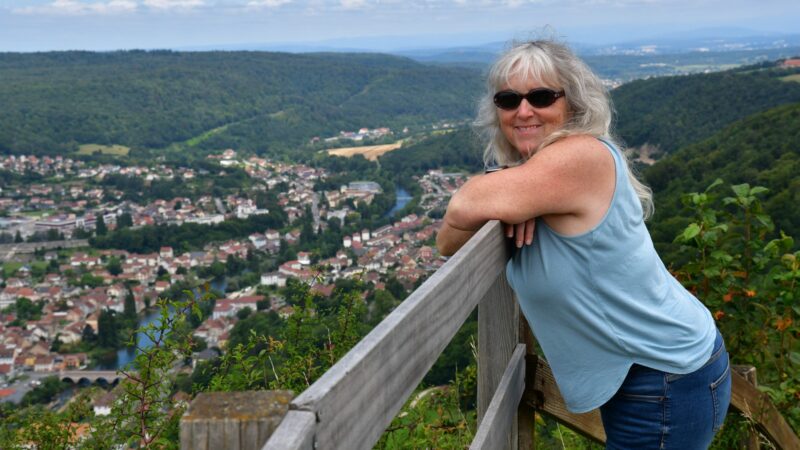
x=749, y=374
x=498, y=316
x=526, y=415
x=232, y=420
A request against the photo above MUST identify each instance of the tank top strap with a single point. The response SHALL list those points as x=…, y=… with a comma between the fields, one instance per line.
x=619, y=161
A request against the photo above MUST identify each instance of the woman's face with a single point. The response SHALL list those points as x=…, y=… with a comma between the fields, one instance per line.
x=526, y=127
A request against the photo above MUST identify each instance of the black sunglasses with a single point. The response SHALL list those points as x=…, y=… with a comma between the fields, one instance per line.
x=538, y=98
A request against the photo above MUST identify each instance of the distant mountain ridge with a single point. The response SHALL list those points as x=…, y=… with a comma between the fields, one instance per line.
x=672, y=112
x=260, y=101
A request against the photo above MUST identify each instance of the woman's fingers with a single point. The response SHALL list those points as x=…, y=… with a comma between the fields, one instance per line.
x=519, y=234
x=522, y=233
x=530, y=226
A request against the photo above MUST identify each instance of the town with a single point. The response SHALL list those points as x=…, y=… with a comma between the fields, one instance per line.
x=57, y=289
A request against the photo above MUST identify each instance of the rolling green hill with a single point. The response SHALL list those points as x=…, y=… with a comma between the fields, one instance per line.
x=763, y=149
x=267, y=102
x=673, y=112
x=459, y=149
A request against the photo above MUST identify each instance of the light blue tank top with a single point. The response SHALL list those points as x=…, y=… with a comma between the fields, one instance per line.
x=601, y=301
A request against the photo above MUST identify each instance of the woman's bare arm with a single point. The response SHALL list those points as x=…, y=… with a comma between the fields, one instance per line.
x=573, y=177
x=450, y=239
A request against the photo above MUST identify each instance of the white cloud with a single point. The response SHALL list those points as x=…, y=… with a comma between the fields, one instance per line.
x=267, y=3
x=352, y=4
x=77, y=7
x=173, y=4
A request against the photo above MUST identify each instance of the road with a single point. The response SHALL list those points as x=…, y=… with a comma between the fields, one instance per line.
x=315, y=210
x=23, y=386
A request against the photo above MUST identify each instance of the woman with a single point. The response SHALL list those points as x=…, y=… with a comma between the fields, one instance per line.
x=620, y=333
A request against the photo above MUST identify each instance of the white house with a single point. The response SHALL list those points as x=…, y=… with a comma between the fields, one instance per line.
x=273, y=279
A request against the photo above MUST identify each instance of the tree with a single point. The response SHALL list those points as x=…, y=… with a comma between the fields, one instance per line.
x=114, y=266
x=383, y=305
x=244, y=313
x=54, y=235
x=27, y=310
x=45, y=392
x=233, y=265
x=130, y=308
x=18, y=238
x=88, y=335
x=217, y=269
x=397, y=289
x=108, y=329
x=124, y=221
x=100, y=227
x=56, y=345
x=81, y=233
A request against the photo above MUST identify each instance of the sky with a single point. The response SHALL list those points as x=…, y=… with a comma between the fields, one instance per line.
x=382, y=25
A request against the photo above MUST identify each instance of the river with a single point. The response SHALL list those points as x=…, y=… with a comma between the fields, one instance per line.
x=127, y=354
x=401, y=200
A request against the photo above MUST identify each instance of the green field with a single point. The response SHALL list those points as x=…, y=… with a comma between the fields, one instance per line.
x=198, y=139
x=91, y=149
x=10, y=268
x=35, y=214
x=795, y=78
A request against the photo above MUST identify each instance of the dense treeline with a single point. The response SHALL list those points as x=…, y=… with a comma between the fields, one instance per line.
x=257, y=101
x=188, y=236
x=459, y=149
x=673, y=112
x=759, y=150
x=223, y=181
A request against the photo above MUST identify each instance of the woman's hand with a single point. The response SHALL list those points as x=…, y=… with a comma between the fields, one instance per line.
x=522, y=233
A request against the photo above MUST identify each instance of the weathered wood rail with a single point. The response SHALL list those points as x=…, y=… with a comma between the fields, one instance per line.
x=351, y=405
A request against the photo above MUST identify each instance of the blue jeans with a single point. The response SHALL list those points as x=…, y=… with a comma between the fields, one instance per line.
x=659, y=410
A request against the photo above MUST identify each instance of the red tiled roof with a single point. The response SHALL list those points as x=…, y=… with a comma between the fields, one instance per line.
x=6, y=392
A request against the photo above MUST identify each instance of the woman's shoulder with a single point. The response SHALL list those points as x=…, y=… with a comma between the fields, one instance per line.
x=578, y=141
x=583, y=148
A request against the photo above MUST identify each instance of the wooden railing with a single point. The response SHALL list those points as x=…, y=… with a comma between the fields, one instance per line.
x=351, y=405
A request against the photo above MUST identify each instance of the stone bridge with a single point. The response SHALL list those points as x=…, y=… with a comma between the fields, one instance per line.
x=92, y=376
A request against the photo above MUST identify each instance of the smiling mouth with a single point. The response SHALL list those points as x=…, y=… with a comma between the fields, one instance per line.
x=527, y=128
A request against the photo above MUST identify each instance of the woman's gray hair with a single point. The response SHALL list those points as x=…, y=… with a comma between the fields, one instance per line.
x=556, y=66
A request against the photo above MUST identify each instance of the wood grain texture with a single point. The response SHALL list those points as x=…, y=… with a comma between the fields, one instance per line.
x=498, y=317
x=757, y=406
x=500, y=419
x=200, y=436
x=296, y=432
x=541, y=392
x=249, y=435
x=749, y=374
x=216, y=434
x=374, y=379
x=526, y=415
x=186, y=437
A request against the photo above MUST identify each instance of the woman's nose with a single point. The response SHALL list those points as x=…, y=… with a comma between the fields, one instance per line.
x=525, y=109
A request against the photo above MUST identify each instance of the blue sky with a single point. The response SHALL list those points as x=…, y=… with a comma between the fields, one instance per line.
x=39, y=25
